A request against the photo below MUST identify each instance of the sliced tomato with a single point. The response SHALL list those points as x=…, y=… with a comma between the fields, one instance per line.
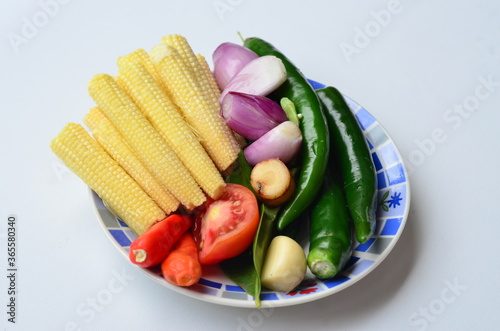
x=225, y=227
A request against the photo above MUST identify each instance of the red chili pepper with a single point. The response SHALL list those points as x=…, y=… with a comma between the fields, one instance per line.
x=181, y=267
x=153, y=246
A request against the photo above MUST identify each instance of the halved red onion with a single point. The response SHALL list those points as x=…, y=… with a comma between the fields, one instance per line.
x=282, y=142
x=228, y=59
x=259, y=77
x=251, y=116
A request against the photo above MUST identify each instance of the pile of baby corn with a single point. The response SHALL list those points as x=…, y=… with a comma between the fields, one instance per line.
x=158, y=141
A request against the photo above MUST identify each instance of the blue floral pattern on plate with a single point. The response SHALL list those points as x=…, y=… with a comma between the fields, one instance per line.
x=392, y=213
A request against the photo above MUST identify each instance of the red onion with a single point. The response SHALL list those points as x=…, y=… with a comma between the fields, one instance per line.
x=260, y=77
x=228, y=59
x=282, y=142
x=251, y=116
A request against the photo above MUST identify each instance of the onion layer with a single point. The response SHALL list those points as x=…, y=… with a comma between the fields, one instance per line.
x=282, y=142
x=259, y=77
x=251, y=116
x=228, y=59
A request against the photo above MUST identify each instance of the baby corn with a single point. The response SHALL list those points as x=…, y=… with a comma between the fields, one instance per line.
x=188, y=56
x=165, y=117
x=203, y=75
x=112, y=141
x=213, y=91
x=146, y=142
x=199, y=110
x=141, y=56
x=209, y=76
x=88, y=160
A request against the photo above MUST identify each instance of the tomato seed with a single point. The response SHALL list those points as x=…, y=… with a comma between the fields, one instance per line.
x=222, y=230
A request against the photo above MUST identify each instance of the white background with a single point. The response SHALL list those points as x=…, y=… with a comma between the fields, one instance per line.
x=418, y=63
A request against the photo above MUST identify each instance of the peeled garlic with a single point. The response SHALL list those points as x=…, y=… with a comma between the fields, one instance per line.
x=285, y=265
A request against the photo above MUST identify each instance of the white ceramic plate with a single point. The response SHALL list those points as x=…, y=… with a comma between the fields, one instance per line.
x=392, y=213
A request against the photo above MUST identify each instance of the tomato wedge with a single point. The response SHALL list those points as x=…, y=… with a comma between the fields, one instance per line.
x=224, y=228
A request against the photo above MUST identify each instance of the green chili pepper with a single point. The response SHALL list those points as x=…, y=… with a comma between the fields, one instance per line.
x=330, y=230
x=355, y=164
x=315, y=139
